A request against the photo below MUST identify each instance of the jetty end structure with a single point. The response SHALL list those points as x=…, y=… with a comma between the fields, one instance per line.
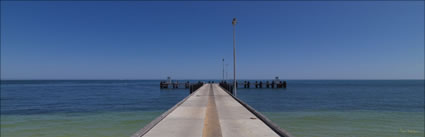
x=211, y=111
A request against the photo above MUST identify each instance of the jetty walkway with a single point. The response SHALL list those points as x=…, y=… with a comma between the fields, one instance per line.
x=211, y=111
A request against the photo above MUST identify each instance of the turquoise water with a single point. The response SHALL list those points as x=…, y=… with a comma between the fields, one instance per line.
x=350, y=123
x=120, y=108
x=104, y=124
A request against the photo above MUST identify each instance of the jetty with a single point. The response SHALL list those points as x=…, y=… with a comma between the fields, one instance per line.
x=245, y=84
x=211, y=111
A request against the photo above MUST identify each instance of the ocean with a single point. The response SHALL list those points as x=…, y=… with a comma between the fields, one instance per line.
x=118, y=108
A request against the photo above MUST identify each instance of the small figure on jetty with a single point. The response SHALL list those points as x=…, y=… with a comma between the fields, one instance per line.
x=272, y=84
x=261, y=84
x=187, y=84
x=248, y=85
x=176, y=84
x=256, y=84
x=279, y=85
x=244, y=84
x=267, y=84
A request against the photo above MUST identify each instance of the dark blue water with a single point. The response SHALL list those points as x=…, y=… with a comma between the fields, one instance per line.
x=68, y=96
x=318, y=95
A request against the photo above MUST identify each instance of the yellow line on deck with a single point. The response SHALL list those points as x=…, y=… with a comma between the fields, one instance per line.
x=211, y=121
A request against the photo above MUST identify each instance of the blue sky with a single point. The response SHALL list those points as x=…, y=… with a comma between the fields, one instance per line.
x=187, y=40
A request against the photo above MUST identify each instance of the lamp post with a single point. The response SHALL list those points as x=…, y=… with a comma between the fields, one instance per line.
x=227, y=72
x=223, y=71
x=234, y=21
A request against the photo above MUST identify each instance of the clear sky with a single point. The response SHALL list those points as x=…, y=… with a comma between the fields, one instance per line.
x=187, y=40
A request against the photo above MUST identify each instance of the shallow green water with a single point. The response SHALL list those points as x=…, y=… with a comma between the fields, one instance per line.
x=300, y=124
x=106, y=124
x=350, y=123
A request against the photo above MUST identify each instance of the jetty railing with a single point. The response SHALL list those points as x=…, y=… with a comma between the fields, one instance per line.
x=227, y=86
x=194, y=87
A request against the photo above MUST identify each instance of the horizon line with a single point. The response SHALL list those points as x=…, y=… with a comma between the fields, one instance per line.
x=203, y=79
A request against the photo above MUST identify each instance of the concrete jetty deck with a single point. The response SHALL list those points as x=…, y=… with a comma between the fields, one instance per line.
x=211, y=112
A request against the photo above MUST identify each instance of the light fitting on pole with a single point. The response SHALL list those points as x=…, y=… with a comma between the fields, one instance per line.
x=234, y=21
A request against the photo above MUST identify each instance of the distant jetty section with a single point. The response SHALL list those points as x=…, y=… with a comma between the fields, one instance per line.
x=211, y=111
x=226, y=85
